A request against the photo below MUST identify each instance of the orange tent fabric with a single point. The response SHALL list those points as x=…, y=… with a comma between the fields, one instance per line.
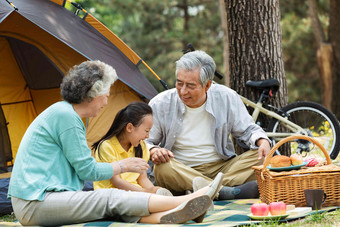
x=39, y=41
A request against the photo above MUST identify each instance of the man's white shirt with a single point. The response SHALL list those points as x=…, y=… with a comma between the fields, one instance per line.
x=195, y=138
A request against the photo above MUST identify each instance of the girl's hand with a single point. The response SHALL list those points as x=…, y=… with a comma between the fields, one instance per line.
x=136, y=165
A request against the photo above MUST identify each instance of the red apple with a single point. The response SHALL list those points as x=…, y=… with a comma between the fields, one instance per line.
x=277, y=208
x=311, y=162
x=260, y=209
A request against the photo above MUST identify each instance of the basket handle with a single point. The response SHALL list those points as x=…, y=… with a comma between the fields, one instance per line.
x=287, y=139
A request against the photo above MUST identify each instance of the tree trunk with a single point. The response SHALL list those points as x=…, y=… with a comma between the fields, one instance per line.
x=334, y=36
x=186, y=17
x=224, y=24
x=255, y=46
x=324, y=55
x=316, y=24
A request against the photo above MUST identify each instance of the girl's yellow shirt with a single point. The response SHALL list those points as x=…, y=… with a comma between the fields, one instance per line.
x=112, y=151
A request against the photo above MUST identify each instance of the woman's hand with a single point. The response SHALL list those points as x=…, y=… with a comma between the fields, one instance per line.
x=135, y=165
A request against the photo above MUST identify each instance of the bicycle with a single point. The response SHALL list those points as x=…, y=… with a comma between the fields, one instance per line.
x=299, y=118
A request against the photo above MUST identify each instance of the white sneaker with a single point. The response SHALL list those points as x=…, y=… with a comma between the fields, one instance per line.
x=214, y=188
x=188, y=210
x=215, y=185
x=198, y=183
x=164, y=191
x=187, y=192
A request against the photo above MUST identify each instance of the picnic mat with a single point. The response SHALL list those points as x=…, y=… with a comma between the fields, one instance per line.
x=226, y=213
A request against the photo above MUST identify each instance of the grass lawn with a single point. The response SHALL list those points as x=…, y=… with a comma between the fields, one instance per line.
x=8, y=217
x=329, y=219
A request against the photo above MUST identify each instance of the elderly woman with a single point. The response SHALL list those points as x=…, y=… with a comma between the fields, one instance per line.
x=53, y=161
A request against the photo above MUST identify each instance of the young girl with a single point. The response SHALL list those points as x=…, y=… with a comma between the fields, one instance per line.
x=125, y=139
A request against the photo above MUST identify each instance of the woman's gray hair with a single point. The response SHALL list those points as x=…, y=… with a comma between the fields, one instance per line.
x=86, y=81
x=198, y=60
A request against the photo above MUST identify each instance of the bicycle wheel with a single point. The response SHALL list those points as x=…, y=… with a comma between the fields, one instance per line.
x=319, y=123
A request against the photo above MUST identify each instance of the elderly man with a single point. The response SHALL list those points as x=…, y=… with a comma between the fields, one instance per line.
x=190, y=139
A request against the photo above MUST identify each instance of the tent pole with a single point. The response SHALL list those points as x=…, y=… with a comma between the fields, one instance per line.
x=160, y=80
x=78, y=6
x=12, y=5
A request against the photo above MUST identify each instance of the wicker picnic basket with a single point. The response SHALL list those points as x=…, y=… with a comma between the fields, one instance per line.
x=289, y=186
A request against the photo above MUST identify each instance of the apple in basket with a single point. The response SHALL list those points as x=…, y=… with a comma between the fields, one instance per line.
x=259, y=209
x=311, y=162
x=277, y=208
x=296, y=159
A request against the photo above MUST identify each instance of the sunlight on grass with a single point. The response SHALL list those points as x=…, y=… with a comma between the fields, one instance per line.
x=315, y=220
x=8, y=218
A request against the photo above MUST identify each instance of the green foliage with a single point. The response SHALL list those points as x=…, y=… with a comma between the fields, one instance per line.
x=158, y=30
x=299, y=49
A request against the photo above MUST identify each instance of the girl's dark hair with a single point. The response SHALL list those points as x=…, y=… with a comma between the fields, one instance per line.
x=132, y=113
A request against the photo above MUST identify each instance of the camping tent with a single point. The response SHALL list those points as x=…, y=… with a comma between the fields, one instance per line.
x=39, y=41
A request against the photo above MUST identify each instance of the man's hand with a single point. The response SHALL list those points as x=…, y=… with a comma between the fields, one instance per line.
x=264, y=148
x=160, y=155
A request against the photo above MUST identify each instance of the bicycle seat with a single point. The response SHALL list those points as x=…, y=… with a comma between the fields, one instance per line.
x=273, y=84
